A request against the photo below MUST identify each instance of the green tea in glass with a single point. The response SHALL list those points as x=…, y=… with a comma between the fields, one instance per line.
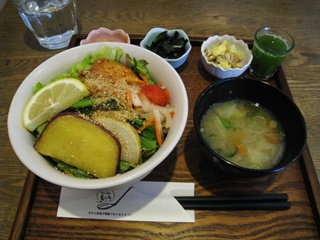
x=270, y=48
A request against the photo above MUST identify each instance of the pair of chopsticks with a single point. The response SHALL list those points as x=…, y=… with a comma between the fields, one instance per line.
x=239, y=202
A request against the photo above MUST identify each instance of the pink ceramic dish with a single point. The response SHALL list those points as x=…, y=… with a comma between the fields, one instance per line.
x=106, y=35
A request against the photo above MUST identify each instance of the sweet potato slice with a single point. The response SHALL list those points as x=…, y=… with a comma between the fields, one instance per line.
x=77, y=141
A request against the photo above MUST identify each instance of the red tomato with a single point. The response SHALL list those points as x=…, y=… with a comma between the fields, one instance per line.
x=156, y=94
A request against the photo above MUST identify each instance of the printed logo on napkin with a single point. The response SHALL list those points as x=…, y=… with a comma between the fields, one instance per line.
x=145, y=201
x=109, y=199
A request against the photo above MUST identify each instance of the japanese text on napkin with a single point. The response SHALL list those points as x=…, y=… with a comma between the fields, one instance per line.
x=144, y=201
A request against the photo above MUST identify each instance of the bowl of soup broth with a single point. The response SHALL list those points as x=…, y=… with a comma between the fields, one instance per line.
x=247, y=127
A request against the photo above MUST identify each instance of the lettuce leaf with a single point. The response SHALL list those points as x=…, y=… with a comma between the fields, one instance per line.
x=109, y=53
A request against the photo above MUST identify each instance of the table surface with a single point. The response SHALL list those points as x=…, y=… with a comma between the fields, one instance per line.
x=20, y=54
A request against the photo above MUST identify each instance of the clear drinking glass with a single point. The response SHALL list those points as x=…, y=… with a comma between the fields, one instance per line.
x=53, y=22
x=270, y=48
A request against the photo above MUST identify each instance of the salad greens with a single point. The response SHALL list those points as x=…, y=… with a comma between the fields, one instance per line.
x=73, y=170
x=140, y=67
x=149, y=144
x=109, y=53
x=112, y=54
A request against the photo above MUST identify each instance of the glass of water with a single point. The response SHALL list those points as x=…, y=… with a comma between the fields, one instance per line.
x=53, y=22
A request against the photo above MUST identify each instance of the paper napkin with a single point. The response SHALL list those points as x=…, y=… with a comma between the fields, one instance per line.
x=144, y=201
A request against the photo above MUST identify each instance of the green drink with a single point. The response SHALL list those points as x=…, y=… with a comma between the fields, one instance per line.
x=271, y=46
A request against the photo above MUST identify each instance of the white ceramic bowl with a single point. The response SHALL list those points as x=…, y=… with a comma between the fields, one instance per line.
x=154, y=32
x=218, y=71
x=22, y=141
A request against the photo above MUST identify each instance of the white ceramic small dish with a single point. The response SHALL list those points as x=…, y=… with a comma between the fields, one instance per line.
x=22, y=140
x=218, y=71
x=154, y=32
x=106, y=35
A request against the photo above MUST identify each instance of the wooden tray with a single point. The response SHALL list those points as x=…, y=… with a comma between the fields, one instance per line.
x=36, y=215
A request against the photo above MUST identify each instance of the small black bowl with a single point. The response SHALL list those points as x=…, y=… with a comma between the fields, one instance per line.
x=266, y=95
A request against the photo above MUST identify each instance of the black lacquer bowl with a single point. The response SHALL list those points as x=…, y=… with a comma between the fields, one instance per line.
x=266, y=95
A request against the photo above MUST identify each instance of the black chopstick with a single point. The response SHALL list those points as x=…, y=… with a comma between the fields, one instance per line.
x=282, y=197
x=237, y=206
x=240, y=202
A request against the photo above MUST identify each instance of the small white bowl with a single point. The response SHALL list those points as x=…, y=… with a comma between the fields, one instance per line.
x=218, y=71
x=106, y=35
x=154, y=32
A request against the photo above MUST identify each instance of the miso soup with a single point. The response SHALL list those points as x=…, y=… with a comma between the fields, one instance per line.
x=245, y=133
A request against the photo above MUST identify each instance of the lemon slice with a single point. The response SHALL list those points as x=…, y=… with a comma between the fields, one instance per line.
x=52, y=99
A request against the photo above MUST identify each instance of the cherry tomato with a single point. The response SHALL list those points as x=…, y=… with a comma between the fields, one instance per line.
x=156, y=94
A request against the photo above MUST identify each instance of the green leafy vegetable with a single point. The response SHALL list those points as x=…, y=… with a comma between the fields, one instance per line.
x=74, y=170
x=109, y=53
x=137, y=123
x=140, y=67
x=169, y=46
x=37, y=87
x=225, y=123
x=86, y=102
x=126, y=166
x=39, y=129
x=69, y=169
x=110, y=105
x=149, y=143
